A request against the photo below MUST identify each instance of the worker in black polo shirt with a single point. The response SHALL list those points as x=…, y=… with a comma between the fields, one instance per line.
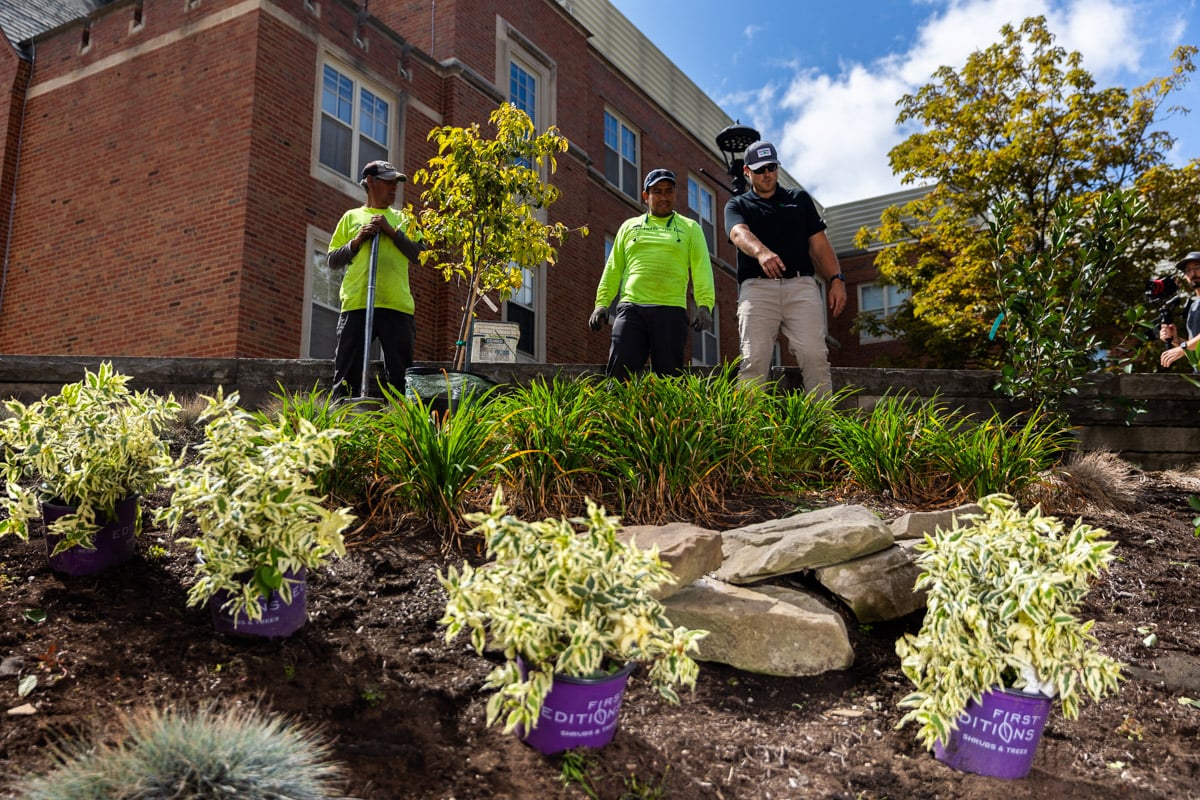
x=782, y=250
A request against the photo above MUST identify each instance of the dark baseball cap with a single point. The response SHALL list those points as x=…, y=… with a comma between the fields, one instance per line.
x=1190, y=257
x=382, y=169
x=760, y=154
x=656, y=175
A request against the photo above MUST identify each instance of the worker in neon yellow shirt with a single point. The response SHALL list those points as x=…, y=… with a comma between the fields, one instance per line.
x=393, y=323
x=654, y=255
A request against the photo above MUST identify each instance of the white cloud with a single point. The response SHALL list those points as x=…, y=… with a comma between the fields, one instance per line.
x=834, y=131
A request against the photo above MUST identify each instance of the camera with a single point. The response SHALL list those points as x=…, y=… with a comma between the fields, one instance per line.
x=1164, y=291
x=1163, y=288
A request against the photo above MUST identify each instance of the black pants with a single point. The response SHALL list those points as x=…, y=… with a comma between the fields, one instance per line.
x=659, y=332
x=395, y=331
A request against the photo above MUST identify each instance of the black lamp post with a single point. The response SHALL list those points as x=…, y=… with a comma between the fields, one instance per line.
x=733, y=142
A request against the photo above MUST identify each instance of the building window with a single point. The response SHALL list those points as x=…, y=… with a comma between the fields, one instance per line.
x=530, y=76
x=323, y=304
x=521, y=308
x=356, y=123
x=879, y=301
x=706, y=351
x=702, y=208
x=621, y=155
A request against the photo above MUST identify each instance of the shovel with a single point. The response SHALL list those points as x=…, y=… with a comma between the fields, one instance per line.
x=370, y=323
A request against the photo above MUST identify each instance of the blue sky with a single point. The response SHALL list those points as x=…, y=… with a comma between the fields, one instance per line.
x=821, y=79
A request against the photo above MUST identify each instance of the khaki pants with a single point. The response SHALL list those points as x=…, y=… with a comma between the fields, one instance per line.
x=794, y=307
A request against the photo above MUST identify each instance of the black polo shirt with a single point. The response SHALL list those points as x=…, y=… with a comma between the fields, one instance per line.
x=783, y=222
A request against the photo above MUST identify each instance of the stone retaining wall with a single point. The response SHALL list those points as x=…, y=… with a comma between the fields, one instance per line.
x=1166, y=434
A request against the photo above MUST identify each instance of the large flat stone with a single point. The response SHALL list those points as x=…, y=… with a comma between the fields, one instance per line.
x=772, y=632
x=804, y=541
x=690, y=551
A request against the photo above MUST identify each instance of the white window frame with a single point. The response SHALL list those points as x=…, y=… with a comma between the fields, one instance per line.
x=365, y=145
x=512, y=47
x=630, y=184
x=893, y=297
x=698, y=193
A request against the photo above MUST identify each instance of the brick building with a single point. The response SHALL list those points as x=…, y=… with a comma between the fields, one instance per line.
x=865, y=294
x=172, y=170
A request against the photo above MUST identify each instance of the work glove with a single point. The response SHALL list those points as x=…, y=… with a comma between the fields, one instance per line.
x=599, y=318
x=703, y=319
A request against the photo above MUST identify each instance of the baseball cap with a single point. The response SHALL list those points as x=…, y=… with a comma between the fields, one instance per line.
x=382, y=169
x=1183, y=262
x=761, y=153
x=656, y=175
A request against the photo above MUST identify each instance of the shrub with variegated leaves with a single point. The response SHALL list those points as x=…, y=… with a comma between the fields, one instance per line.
x=1004, y=588
x=250, y=486
x=91, y=446
x=566, y=597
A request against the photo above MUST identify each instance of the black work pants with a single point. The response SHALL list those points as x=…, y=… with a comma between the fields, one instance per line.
x=395, y=331
x=657, y=332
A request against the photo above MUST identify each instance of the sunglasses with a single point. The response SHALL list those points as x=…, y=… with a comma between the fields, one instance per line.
x=765, y=168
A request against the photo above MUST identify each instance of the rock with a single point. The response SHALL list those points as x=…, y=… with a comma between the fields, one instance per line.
x=804, y=541
x=691, y=551
x=11, y=666
x=772, y=631
x=915, y=524
x=22, y=711
x=878, y=587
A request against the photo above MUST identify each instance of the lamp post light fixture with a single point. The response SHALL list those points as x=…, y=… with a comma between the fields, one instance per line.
x=732, y=142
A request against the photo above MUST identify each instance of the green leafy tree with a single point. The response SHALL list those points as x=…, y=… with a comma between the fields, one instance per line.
x=1022, y=122
x=483, y=207
x=1051, y=298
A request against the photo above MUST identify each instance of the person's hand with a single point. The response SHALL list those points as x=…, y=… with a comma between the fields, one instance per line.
x=703, y=320
x=1171, y=355
x=599, y=318
x=837, y=296
x=1168, y=333
x=772, y=265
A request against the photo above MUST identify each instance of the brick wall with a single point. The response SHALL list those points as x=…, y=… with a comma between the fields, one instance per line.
x=165, y=188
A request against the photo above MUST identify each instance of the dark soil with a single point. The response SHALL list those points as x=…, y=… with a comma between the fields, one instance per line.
x=405, y=711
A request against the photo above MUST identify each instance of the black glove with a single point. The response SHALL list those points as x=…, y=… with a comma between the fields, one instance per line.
x=703, y=319
x=599, y=318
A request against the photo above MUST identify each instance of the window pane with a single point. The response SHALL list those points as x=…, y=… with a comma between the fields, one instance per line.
x=524, y=318
x=710, y=235
x=326, y=282
x=629, y=179
x=612, y=132
x=522, y=91
x=322, y=340
x=629, y=145
x=872, y=298
x=335, y=145
x=612, y=167
x=337, y=92
x=369, y=151
x=373, y=121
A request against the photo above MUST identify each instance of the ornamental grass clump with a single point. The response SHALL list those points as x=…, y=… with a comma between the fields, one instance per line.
x=563, y=601
x=90, y=447
x=251, y=487
x=1003, y=591
x=239, y=754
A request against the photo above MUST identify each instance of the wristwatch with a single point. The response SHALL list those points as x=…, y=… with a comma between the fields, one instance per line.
x=839, y=277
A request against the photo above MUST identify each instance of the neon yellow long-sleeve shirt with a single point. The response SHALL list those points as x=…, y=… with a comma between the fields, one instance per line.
x=391, y=279
x=654, y=256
